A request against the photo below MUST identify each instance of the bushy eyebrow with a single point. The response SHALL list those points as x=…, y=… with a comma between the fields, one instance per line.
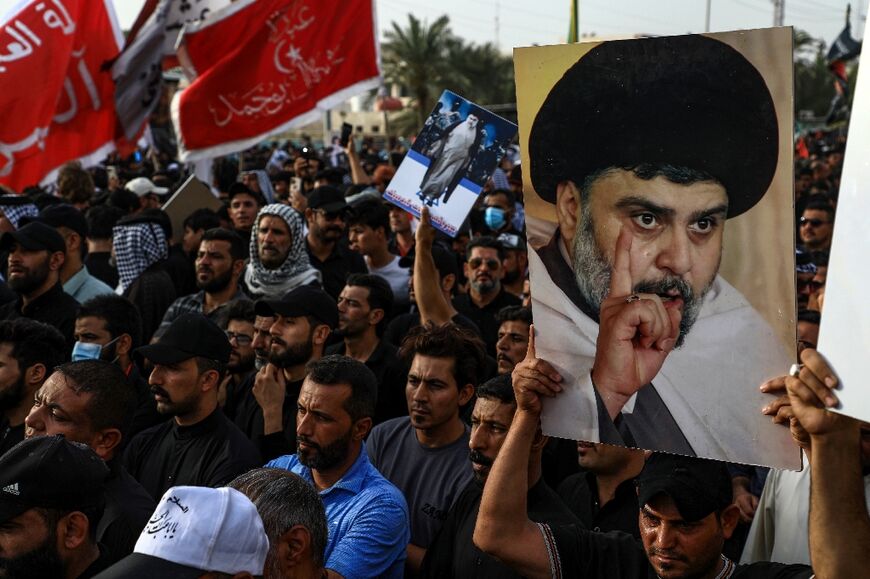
x=633, y=201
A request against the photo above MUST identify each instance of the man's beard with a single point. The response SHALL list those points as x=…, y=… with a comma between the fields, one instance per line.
x=216, y=283
x=485, y=287
x=12, y=396
x=174, y=407
x=244, y=364
x=43, y=561
x=293, y=355
x=31, y=280
x=475, y=456
x=592, y=274
x=511, y=276
x=328, y=234
x=321, y=458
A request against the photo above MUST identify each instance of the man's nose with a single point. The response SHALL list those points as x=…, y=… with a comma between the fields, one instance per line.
x=476, y=441
x=675, y=254
x=666, y=537
x=34, y=420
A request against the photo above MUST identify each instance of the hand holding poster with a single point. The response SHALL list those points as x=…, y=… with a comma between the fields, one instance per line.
x=451, y=160
x=658, y=209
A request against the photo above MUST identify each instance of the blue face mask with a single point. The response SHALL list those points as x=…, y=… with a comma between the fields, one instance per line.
x=494, y=218
x=88, y=351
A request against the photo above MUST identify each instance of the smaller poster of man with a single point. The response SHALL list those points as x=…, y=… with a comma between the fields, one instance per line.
x=452, y=158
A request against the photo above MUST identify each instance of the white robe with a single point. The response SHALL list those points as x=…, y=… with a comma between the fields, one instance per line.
x=710, y=385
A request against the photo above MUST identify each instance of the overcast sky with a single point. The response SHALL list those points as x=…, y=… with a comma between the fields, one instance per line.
x=525, y=22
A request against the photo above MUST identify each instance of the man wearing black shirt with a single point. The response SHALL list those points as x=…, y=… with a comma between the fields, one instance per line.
x=325, y=216
x=199, y=446
x=686, y=511
x=28, y=352
x=603, y=496
x=484, y=269
x=304, y=317
x=362, y=309
x=452, y=552
x=90, y=402
x=36, y=255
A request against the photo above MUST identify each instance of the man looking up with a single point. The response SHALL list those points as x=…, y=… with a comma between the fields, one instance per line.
x=367, y=516
x=326, y=216
x=219, y=262
x=278, y=261
x=452, y=552
x=425, y=454
x=686, y=510
x=369, y=234
x=36, y=255
x=484, y=269
x=91, y=402
x=109, y=328
x=303, y=319
x=28, y=352
x=51, y=499
x=513, y=337
x=199, y=445
x=75, y=277
x=363, y=306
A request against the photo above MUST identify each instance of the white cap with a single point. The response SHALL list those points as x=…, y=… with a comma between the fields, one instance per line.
x=197, y=529
x=142, y=186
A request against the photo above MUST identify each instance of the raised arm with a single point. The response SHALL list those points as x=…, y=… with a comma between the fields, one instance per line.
x=431, y=303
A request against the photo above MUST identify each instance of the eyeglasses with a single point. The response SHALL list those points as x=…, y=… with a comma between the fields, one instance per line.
x=241, y=339
x=813, y=222
x=490, y=263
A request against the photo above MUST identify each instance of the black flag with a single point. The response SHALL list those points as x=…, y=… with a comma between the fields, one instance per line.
x=844, y=47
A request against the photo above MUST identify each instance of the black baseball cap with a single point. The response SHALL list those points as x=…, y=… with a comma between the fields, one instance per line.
x=697, y=486
x=687, y=101
x=50, y=472
x=445, y=261
x=34, y=236
x=64, y=215
x=327, y=198
x=305, y=300
x=190, y=335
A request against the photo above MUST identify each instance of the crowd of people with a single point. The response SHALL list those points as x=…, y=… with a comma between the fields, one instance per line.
x=310, y=382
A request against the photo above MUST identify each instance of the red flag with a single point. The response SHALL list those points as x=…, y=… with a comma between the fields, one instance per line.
x=57, y=103
x=265, y=66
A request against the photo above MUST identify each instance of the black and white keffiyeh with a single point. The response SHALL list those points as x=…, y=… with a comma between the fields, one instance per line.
x=14, y=210
x=296, y=269
x=137, y=247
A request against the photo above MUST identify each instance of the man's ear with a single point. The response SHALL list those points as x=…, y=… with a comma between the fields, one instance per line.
x=294, y=545
x=238, y=266
x=72, y=530
x=447, y=282
x=35, y=375
x=105, y=442
x=376, y=315
x=309, y=215
x=729, y=519
x=567, y=209
x=361, y=428
x=465, y=394
x=123, y=345
x=321, y=333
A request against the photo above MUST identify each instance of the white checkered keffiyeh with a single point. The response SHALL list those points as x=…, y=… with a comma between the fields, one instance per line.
x=14, y=213
x=137, y=247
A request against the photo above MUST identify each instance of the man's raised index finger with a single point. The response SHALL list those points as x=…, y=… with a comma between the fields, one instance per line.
x=620, y=278
x=530, y=351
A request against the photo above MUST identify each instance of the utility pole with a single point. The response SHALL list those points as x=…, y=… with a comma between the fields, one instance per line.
x=778, y=12
x=497, y=11
x=707, y=21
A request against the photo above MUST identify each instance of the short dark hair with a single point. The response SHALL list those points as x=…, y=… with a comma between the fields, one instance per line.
x=499, y=388
x=241, y=310
x=285, y=500
x=511, y=198
x=484, y=241
x=821, y=205
x=335, y=369
x=119, y=314
x=238, y=248
x=113, y=398
x=810, y=316
x=204, y=365
x=34, y=343
x=101, y=219
x=372, y=213
x=202, y=218
x=514, y=314
x=447, y=341
x=380, y=294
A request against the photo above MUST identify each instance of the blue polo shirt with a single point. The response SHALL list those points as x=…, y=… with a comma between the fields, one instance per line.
x=367, y=518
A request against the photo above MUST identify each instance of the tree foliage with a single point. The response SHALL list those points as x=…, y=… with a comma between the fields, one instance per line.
x=428, y=58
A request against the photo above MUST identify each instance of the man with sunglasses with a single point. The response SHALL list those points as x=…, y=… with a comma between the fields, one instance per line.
x=484, y=269
x=326, y=217
x=817, y=225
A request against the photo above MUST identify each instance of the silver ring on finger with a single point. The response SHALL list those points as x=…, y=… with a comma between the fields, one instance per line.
x=632, y=298
x=795, y=370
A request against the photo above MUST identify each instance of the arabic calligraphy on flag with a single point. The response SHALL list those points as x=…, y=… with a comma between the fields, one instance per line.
x=57, y=103
x=263, y=67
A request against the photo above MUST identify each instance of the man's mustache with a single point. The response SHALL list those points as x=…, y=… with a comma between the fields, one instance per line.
x=477, y=457
x=666, y=285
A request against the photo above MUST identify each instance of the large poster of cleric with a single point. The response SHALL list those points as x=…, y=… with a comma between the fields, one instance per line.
x=452, y=158
x=658, y=190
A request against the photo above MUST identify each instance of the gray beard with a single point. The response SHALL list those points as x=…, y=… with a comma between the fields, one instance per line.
x=592, y=275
